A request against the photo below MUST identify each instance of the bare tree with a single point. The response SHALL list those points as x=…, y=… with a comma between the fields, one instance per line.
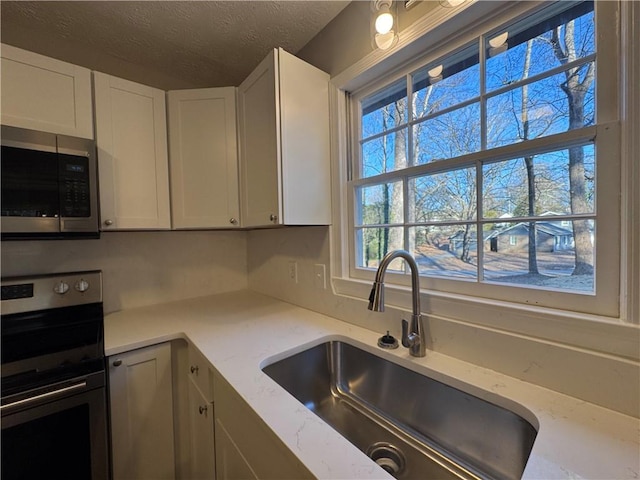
x=528, y=161
x=576, y=90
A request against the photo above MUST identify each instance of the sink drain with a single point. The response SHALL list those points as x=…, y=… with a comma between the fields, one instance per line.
x=388, y=457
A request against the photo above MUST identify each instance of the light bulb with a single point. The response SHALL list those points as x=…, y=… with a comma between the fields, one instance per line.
x=384, y=21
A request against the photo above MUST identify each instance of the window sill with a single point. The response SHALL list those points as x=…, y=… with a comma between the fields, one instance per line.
x=600, y=334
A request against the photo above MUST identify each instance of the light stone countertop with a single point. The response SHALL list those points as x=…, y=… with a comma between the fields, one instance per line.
x=242, y=331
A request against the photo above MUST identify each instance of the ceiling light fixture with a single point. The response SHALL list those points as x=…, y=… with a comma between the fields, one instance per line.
x=383, y=23
x=435, y=74
x=498, y=44
x=451, y=3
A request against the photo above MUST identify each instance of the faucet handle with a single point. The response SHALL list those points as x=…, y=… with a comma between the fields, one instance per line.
x=405, y=334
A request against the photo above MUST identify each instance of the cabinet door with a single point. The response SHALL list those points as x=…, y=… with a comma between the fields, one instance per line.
x=305, y=155
x=258, y=120
x=141, y=407
x=230, y=463
x=202, y=452
x=41, y=93
x=245, y=446
x=203, y=158
x=131, y=137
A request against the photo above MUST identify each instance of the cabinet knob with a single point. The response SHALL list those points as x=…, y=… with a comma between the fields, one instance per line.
x=117, y=363
x=108, y=223
x=273, y=217
x=194, y=369
x=233, y=221
x=203, y=409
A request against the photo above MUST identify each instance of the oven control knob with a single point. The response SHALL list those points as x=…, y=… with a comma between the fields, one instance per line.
x=61, y=288
x=82, y=285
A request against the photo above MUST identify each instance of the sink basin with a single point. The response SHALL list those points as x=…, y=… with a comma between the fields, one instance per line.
x=411, y=425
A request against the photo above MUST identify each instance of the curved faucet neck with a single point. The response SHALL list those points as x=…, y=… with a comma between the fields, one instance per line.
x=415, y=274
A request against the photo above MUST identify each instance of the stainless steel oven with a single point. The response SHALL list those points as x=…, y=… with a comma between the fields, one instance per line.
x=54, y=413
x=49, y=186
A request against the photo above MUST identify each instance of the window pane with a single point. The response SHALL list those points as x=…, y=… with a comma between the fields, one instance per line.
x=551, y=264
x=446, y=83
x=507, y=192
x=447, y=136
x=546, y=44
x=385, y=109
x=384, y=154
x=540, y=109
x=380, y=204
x=447, y=251
x=373, y=243
x=444, y=197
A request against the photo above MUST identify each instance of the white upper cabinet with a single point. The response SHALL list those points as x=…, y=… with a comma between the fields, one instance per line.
x=203, y=158
x=41, y=93
x=283, y=118
x=131, y=136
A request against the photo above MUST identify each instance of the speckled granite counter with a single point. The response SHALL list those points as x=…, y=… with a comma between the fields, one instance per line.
x=240, y=332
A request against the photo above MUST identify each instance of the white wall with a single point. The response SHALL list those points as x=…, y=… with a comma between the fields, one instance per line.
x=140, y=268
x=598, y=378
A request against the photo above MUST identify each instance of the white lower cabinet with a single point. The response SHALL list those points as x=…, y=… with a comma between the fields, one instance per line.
x=141, y=407
x=202, y=452
x=245, y=446
x=231, y=462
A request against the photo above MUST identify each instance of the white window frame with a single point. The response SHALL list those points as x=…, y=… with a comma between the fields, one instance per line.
x=611, y=331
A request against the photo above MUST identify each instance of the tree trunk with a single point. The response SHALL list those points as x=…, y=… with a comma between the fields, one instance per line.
x=575, y=91
x=528, y=161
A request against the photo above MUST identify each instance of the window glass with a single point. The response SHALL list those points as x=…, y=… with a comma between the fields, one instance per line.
x=380, y=204
x=384, y=110
x=531, y=48
x=488, y=179
x=537, y=254
x=443, y=197
x=384, y=154
x=375, y=243
x=540, y=109
x=449, y=135
x=507, y=190
x=446, y=83
x=446, y=251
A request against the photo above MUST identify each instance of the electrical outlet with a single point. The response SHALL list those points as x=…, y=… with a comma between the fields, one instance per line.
x=319, y=276
x=293, y=271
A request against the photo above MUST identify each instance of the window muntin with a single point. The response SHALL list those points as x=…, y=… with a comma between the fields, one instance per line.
x=451, y=136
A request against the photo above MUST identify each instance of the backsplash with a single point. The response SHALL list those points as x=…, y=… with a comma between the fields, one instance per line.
x=602, y=379
x=140, y=268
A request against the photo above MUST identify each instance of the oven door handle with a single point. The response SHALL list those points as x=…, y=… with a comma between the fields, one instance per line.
x=26, y=402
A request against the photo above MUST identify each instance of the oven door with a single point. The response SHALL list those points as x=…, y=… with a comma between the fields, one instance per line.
x=58, y=431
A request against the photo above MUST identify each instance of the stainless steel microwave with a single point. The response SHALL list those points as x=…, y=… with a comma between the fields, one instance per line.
x=49, y=186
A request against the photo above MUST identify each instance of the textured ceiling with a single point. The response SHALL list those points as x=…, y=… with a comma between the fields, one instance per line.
x=210, y=43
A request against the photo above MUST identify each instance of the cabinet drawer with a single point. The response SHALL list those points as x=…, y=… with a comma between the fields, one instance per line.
x=200, y=372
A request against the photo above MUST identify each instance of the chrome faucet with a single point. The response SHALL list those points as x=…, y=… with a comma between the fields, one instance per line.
x=413, y=336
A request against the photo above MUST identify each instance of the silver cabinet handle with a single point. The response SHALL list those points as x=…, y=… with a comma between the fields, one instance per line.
x=273, y=217
x=194, y=369
x=108, y=223
x=117, y=363
x=233, y=221
x=203, y=409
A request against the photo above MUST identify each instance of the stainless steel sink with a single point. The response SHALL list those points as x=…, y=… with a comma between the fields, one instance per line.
x=411, y=425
